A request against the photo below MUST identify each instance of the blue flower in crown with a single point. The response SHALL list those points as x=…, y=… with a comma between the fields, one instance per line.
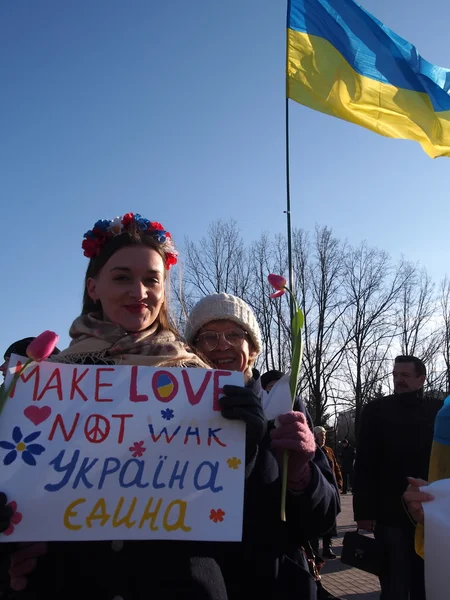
x=104, y=230
x=160, y=236
x=141, y=222
x=102, y=224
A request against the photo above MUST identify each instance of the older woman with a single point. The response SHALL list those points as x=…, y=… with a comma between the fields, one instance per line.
x=124, y=320
x=266, y=564
x=320, y=433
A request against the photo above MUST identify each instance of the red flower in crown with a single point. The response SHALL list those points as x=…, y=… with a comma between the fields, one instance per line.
x=156, y=225
x=127, y=219
x=106, y=229
x=91, y=247
x=171, y=259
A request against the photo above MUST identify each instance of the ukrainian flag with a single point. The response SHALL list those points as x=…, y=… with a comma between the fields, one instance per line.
x=343, y=62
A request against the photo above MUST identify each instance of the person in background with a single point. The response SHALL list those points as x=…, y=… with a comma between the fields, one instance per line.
x=347, y=456
x=320, y=434
x=268, y=564
x=19, y=348
x=269, y=379
x=394, y=443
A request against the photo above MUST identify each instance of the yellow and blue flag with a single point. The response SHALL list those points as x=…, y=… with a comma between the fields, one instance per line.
x=343, y=62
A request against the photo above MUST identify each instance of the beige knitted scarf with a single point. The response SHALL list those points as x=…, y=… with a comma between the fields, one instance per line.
x=96, y=341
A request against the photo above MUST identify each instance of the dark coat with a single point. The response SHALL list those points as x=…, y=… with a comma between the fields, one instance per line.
x=266, y=565
x=347, y=455
x=395, y=439
x=141, y=570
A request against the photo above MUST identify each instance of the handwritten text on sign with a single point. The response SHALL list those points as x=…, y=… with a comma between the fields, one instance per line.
x=120, y=452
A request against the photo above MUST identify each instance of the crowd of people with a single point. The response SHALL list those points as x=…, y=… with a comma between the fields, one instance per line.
x=125, y=320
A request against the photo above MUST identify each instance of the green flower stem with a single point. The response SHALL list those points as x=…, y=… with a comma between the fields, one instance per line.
x=284, y=475
x=297, y=354
x=5, y=395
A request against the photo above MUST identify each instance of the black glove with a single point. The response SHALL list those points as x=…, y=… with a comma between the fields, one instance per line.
x=6, y=513
x=243, y=404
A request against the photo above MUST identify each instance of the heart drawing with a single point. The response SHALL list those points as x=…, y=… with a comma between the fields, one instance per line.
x=37, y=414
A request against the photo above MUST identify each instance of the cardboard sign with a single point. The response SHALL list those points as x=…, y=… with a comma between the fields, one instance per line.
x=120, y=452
x=437, y=540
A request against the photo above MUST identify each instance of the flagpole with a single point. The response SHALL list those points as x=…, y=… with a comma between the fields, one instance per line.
x=288, y=189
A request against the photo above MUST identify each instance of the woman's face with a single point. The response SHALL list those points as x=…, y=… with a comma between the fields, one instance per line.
x=232, y=355
x=130, y=287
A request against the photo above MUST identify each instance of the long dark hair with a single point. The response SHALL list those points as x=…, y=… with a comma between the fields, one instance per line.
x=132, y=237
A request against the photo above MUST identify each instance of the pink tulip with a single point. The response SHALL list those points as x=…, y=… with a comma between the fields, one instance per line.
x=42, y=347
x=278, y=283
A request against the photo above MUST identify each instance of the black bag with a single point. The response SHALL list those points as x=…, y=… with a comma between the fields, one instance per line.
x=295, y=579
x=362, y=552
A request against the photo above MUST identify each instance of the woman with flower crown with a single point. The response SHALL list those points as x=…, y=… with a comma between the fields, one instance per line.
x=124, y=320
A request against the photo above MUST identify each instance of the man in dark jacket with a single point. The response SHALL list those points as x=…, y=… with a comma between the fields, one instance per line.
x=394, y=442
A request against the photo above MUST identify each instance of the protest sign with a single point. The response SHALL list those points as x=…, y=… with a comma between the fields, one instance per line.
x=437, y=540
x=120, y=452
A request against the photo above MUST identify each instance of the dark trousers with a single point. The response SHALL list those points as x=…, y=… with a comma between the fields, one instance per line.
x=326, y=543
x=347, y=478
x=403, y=577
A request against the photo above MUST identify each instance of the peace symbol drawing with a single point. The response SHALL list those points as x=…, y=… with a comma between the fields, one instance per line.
x=97, y=429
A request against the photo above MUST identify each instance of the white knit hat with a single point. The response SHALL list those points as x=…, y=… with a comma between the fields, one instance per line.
x=319, y=429
x=218, y=307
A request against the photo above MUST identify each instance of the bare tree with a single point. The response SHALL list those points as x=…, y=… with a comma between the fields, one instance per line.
x=372, y=287
x=442, y=370
x=270, y=257
x=415, y=312
x=354, y=301
x=319, y=274
x=181, y=297
x=218, y=262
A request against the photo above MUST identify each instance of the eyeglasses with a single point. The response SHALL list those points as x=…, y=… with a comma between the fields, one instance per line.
x=210, y=339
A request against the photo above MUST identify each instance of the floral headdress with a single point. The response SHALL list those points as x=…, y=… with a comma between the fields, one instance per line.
x=104, y=230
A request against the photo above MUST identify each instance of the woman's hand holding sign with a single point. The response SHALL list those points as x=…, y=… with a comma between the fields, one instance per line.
x=24, y=562
x=6, y=513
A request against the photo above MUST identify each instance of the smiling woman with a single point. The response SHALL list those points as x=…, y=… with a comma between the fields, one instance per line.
x=124, y=317
x=124, y=320
x=130, y=296
x=224, y=329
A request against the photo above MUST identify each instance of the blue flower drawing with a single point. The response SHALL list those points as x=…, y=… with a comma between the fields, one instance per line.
x=167, y=414
x=22, y=447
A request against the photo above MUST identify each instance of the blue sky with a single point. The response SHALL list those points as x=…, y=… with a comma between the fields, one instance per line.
x=176, y=110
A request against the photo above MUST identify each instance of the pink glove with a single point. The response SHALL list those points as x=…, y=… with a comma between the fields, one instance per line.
x=24, y=562
x=294, y=434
